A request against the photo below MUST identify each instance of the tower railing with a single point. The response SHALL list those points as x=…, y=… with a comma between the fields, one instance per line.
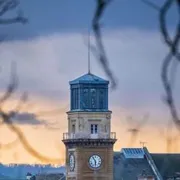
x=85, y=135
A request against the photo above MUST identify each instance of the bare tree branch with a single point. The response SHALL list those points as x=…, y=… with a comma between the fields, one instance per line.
x=9, y=115
x=135, y=128
x=12, y=85
x=101, y=5
x=173, y=73
x=17, y=19
x=9, y=145
x=168, y=135
x=174, y=54
x=173, y=45
x=6, y=5
x=164, y=30
x=23, y=99
x=30, y=148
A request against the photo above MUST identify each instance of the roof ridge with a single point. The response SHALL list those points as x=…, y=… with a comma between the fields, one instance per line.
x=89, y=78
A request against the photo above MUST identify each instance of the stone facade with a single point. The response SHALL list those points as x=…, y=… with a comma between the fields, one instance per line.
x=79, y=122
x=82, y=154
x=89, y=140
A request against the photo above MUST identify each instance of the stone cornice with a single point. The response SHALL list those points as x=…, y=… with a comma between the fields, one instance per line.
x=89, y=142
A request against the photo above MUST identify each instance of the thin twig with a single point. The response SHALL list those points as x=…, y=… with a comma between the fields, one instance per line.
x=7, y=119
x=173, y=45
x=9, y=145
x=101, y=5
x=12, y=85
x=30, y=148
x=6, y=6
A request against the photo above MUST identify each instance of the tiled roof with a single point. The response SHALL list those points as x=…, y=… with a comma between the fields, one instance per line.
x=133, y=152
x=130, y=168
x=167, y=164
x=89, y=78
x=129, y=165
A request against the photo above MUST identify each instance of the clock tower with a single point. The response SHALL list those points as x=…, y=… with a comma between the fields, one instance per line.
x=89, y=140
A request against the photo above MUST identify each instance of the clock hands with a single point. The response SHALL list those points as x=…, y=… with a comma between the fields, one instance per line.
x=94, y=160
x=71, y=162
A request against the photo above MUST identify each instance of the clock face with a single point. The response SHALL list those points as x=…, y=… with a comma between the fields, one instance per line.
x=95, y=161
x=71, y=162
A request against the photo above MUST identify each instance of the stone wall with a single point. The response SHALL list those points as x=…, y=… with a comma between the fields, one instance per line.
x=82, y=121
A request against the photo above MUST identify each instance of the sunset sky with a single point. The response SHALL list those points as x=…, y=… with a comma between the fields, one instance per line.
x=50, y=51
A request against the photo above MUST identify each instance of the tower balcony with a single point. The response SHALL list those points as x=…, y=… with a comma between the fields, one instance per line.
x=83, y=135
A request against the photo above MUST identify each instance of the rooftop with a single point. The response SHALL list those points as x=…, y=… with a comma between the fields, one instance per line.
x=89, y=79
x=130, y=168
x=133, y=152
x=130, y=163
x=51, y=176
x=167, y=164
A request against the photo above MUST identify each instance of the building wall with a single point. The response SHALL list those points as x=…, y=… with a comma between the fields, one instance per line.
x=83, y=170
x=146, y=178
x=82, y=121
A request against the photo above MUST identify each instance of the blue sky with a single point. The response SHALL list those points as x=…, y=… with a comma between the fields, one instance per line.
x=47, y=17
x=134, y=23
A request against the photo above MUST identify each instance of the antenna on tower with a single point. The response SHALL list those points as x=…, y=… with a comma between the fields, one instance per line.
x=89, y=60
x=143, y=143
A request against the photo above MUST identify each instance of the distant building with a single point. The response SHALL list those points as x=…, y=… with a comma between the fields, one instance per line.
x=29, y=176
x=139, y=164
x=50, y=176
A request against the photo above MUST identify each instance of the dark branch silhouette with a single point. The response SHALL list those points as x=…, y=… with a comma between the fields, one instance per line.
x=9, y=145
x=12, y=85
x=171, y=139
x=7, y=119
x=99, y=50
x=6, y=6
x=173, y=55
x=30, y=148
x=134, y=129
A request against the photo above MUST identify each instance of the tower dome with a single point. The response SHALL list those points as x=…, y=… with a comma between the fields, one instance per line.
x=89, y=93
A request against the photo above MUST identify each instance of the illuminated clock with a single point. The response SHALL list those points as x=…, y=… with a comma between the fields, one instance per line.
x=95, y=161
x=71, y=162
